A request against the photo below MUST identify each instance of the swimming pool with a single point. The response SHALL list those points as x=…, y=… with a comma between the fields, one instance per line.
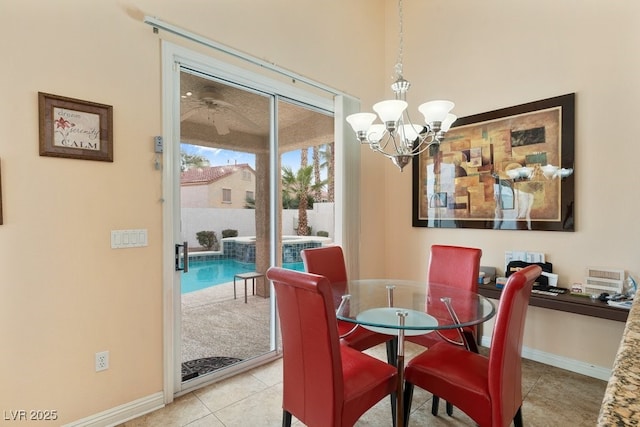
x=203, y=274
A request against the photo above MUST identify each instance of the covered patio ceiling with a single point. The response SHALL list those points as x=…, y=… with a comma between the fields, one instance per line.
x=217, y=115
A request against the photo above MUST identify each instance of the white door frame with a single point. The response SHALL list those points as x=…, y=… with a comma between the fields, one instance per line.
x=347, y=181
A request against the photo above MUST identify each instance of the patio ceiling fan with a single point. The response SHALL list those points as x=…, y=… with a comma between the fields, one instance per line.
x=209, y=103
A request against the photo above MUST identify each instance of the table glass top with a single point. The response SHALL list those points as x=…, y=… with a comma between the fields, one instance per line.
x=378, y=304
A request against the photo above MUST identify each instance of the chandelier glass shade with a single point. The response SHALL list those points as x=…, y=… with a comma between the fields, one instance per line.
x=397, y=138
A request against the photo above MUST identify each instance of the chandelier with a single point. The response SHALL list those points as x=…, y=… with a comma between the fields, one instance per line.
x=397, y=138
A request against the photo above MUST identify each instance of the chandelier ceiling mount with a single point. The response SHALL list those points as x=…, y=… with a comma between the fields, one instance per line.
x=397, y=138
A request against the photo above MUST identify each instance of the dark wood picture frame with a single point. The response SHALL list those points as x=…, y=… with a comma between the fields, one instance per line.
x=74, y=128
x=471, y=166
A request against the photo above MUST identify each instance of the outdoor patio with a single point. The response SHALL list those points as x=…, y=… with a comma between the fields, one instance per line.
x=214, y=324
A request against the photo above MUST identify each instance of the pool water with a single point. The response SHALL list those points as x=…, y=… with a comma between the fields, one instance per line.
x=203, y=274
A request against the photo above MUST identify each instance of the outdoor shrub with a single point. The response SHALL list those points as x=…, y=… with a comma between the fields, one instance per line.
x=322, y=233
x=208, y=240
x=229, y=233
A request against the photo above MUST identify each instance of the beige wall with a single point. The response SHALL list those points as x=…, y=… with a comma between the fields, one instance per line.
x=495, y=54
x=67, y=295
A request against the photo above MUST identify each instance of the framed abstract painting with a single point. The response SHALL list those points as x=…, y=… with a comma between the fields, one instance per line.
x=507, y=169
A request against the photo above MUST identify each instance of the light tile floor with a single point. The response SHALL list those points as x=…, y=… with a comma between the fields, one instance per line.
x=552, y=397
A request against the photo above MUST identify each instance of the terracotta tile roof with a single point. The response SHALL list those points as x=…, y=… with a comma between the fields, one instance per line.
x=210, y=174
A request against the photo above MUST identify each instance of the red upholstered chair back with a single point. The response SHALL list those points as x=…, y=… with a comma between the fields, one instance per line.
x=505, y=368
x=455, y=266
x=312, y=364
x=326, y=260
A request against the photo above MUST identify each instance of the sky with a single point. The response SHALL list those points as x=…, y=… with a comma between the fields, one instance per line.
x=219, y=157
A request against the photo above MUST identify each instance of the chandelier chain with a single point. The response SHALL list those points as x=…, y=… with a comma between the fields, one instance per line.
x=400, y=139
x=397, y=137
x=398, y=67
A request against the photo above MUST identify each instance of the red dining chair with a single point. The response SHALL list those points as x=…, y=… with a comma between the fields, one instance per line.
x=488, y=389
x=454, y=266
x=458, y=267
x=325, y=383
x=328, y=261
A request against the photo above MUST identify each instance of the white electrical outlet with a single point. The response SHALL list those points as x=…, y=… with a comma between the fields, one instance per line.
x=102, y=361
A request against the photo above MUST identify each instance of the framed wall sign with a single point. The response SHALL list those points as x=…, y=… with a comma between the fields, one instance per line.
x=75, y=129
x=505, y=169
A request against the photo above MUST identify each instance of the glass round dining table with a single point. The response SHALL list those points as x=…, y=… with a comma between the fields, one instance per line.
x=381, y=305
x=402, y=307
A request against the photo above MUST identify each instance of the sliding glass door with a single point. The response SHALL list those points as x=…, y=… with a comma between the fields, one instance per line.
x=252, y=171
x=225, y=311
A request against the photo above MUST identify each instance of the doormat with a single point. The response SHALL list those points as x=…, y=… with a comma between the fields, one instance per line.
x=197, y=367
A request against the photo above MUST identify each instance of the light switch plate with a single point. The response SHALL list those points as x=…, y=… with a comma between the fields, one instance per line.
x=128, y=238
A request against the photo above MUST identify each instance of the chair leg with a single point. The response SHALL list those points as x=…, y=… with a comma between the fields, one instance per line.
x=435, y=401
x=286, y=418
x=392, y=351
x=392, y=396
x=408, y=396
x=471, y=342
x=449, y=409
x=517, y=420
x=392, y=359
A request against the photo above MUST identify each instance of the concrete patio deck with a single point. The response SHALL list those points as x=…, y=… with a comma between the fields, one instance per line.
x=216, y=324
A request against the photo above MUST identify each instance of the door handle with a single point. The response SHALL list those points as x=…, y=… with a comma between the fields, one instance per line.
x=185, y=257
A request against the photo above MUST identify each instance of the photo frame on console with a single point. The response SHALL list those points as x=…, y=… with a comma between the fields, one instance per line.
x=510, y=168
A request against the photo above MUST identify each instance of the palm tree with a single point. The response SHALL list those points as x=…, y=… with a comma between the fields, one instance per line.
x=316, y=171
x=299, y=186
x=191, y=161
x=328, y=156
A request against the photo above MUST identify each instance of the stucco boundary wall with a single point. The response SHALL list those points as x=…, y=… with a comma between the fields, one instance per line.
x=321, y=217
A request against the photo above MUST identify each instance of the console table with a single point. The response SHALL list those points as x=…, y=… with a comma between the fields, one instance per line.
x=565, y=302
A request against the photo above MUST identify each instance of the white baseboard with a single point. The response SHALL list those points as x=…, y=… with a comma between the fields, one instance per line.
x=122, y=413
x=572, y=365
